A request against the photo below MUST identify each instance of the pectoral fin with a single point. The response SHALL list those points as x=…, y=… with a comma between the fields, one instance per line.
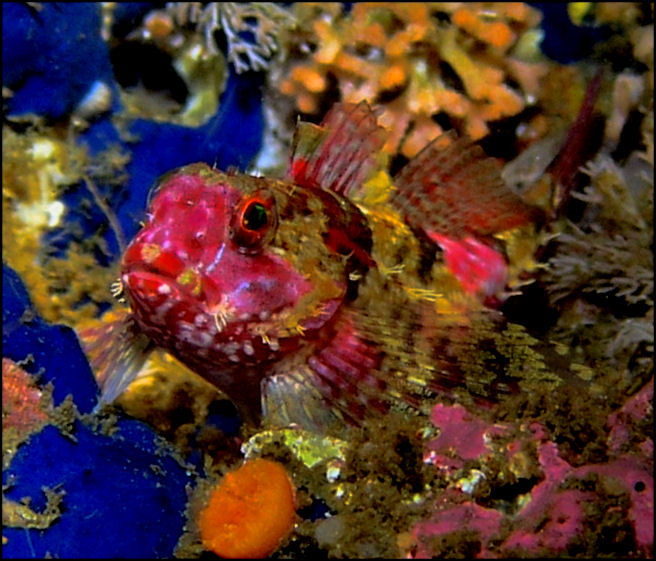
x=116, y=351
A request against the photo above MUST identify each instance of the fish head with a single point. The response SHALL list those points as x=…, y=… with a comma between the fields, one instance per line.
x=236, y=269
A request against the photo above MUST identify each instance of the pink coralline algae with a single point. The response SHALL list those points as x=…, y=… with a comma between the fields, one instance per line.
x=635, y=471
x=22, y=409
x=449, y=519
x=570, y=510
x=635, y=408
x=461, y=433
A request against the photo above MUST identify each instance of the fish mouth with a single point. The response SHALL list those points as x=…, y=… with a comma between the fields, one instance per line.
x=152, y=291
x=143, y=280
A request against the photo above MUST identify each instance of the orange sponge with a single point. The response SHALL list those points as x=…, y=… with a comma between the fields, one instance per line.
x=249, y=511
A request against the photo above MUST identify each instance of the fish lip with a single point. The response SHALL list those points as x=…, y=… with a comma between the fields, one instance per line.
x=144, y=272
x=145, y=288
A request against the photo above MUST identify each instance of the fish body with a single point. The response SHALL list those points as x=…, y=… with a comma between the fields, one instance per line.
x=303, y=299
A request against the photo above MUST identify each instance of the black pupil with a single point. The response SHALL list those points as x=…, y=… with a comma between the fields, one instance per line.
x=255, y=217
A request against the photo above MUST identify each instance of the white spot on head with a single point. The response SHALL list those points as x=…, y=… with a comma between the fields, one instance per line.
x=230, y=348
x=191, y=334
x=206, y=339
x=234, y=358
x=186, y=336
x=273, y=344
x=161, y=309
x=164, y=289
x=248, y=348
x=216, y=260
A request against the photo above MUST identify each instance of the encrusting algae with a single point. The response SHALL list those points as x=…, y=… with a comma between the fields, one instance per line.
x=25, y=408
x=38, y=168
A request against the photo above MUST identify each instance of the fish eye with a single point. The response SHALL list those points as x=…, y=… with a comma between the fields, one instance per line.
x=254, y=222
x=254, y=216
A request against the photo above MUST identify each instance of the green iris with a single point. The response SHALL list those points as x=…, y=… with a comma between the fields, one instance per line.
x=255, y=217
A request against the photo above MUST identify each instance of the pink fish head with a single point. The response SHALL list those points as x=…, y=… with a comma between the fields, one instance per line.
x=238, y=269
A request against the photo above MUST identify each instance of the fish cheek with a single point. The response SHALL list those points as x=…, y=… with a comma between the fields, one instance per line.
x=154, y=301
x=251, y=285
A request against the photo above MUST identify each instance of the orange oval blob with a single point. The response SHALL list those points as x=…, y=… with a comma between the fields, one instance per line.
x=249, y=512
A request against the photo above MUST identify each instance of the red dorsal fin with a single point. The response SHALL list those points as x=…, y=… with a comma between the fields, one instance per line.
x=451, y=187
x=339, y=154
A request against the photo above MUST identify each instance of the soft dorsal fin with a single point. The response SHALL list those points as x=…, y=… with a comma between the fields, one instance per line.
x=452, y=188
x=339, y=154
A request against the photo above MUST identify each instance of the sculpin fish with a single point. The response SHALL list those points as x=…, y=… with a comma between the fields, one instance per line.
x=334, y=293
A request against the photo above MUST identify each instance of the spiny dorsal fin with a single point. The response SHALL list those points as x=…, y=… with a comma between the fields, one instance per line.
x=339, y=154
x=451, y=187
